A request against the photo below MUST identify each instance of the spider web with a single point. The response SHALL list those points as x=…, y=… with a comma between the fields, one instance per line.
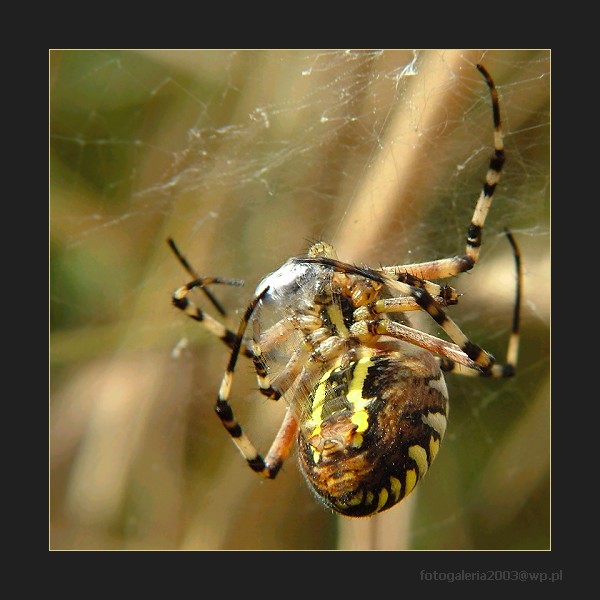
x=244, y=158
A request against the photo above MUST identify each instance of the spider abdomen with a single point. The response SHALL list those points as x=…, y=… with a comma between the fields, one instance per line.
x=376, y=426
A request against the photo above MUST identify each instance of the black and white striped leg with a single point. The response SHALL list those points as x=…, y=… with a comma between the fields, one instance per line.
x=270, y=466
x=509, y=367
x=428, y=304
x=188, y=267
x=422, y=298
x=448, y=267
x=463, y=356
x=182, y=301
x=492, y=176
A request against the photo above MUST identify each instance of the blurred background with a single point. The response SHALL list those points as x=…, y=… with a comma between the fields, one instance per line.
x=244, y=158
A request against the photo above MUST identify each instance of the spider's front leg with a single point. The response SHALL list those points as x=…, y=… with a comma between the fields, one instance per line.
x=449, y=267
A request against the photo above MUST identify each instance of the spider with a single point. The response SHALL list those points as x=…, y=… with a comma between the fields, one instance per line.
x=366, y=397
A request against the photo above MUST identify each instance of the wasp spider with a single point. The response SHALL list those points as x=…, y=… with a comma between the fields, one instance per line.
x=366, y=397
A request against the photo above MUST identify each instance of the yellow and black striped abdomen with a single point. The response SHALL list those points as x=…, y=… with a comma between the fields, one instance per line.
x=376, y=426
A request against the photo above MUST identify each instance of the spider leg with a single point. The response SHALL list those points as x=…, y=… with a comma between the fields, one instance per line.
x=512, y=351
x=366, y=329
x=281, y=446
x=188, y=267
x=463, y=353
x=448, y=267
x=266, y=467
x=275, y=335
x=450, y=356
x=182, y=301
